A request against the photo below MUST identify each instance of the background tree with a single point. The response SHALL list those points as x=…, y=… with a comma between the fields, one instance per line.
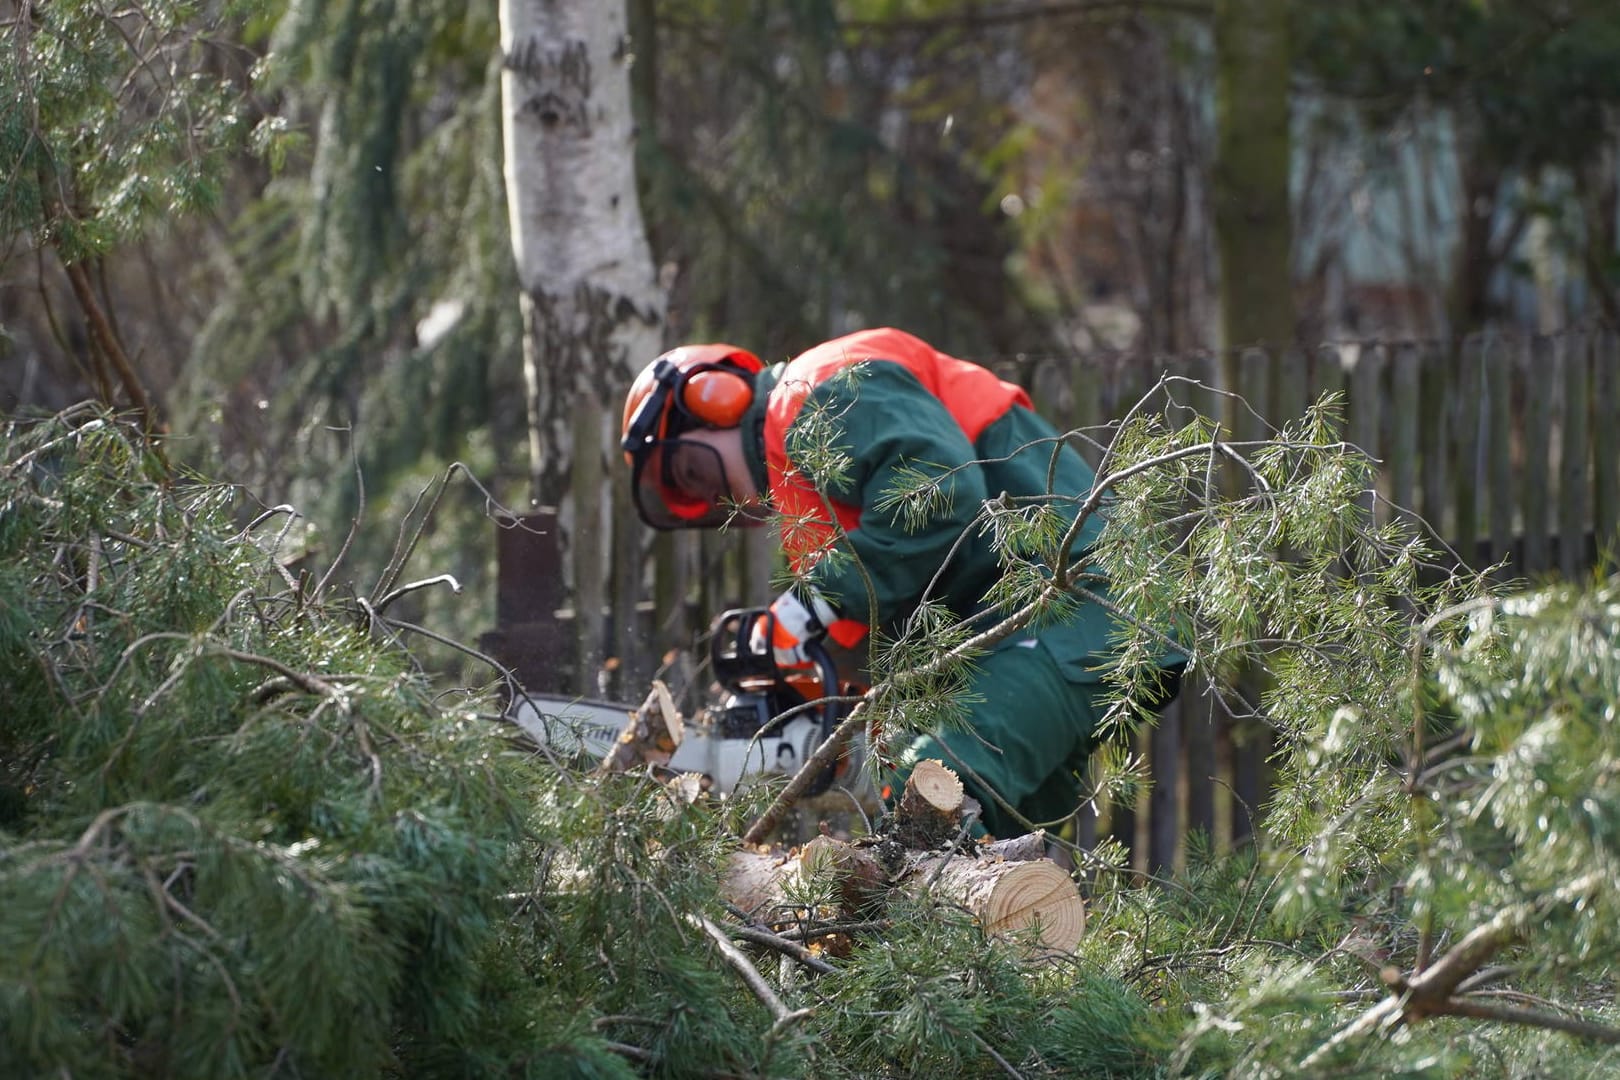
x=115, y=123
x=1253, y=158
x=1527, y=97
x=592, y=308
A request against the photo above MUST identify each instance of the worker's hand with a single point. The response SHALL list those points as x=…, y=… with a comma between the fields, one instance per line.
x=795, y=626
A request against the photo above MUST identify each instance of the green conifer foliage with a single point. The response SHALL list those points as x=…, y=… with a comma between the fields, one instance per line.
x=237, y=831
x=116, y=118
x=241, y=832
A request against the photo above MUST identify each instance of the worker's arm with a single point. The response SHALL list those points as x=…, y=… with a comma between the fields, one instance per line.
x=892, y=428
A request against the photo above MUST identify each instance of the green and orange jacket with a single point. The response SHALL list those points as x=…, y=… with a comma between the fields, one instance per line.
x=890, y=405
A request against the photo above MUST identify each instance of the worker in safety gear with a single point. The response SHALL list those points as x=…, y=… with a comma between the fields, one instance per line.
x=713, y=435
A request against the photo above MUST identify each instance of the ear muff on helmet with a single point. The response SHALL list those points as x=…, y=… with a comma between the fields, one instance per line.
x=717, y=397
x=710, y=386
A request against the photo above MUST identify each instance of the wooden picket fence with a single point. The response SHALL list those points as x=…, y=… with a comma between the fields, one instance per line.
x=1507, y=446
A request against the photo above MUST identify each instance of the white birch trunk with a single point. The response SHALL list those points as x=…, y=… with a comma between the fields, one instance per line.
x=592, y=308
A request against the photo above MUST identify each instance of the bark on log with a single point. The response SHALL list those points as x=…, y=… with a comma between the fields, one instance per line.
x=930, y=810
x=1016, y=849
x=1009, y=889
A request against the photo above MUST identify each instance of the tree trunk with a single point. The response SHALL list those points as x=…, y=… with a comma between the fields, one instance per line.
x=1253, y=219
x=1253, y=223
x=592, y=308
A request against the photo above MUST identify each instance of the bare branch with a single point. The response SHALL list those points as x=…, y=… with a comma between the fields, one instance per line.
x=750, y=974
x=1509, y=1014
x=979, y=18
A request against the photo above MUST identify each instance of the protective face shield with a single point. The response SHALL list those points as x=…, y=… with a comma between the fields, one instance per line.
x=681, y=483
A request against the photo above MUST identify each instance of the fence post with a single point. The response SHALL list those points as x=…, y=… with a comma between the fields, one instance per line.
x=1469, y=478
x=1606, y=436
x=1405, y=395
x=1122, y=817
x=1251, y=735
x=1572, y=458
x=1164, y=816
x=1540, y=369
x=528, y=637
x=1328, y=378
x=1363, y=410
x=1198, y=750
x=1434, y=407
x=1198, y=729
x=1051, y=393
x=1500, y=356
x=629, y=668
x=1086, y=413
x=1288, y=387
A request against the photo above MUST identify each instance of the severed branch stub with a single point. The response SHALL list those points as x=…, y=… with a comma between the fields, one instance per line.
x=649, y=736
x=930, y=810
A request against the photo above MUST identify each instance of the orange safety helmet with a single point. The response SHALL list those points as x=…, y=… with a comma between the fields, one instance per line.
x=692, y=387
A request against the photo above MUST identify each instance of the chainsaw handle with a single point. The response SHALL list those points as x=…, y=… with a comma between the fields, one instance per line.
x=828, y=670
x=818, y=654
x=738, y=656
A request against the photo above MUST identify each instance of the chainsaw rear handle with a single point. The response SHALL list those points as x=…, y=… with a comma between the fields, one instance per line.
x=743, y=660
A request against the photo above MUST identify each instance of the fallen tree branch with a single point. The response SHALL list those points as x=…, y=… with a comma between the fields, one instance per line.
x=1430, y=992
x=760, y=936
x=1511, y=1014
x=750, y=974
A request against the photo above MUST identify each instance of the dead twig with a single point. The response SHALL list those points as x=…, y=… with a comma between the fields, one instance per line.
x=750, y=974
x=440, y=579
x=1006, y=1066
x=782, y=945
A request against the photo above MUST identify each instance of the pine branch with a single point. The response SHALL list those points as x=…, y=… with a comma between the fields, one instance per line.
x=750, y=974
x=1429, y=993
x=1510, y=1014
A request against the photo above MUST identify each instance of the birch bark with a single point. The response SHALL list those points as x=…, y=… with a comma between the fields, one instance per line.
x=592, y=307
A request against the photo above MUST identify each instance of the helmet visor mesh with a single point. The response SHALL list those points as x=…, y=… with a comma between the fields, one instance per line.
x=681, y=484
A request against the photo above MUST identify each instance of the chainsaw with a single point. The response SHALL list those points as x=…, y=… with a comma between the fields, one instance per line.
x=765, y=720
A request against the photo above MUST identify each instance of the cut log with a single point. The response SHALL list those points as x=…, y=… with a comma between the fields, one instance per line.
x=1008, y=889
x=1034, y=897
x=930, y=810
x=757, y=883
x=1009, y=886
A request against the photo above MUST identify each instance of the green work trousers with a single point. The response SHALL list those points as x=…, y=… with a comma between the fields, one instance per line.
x=1031, y=727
